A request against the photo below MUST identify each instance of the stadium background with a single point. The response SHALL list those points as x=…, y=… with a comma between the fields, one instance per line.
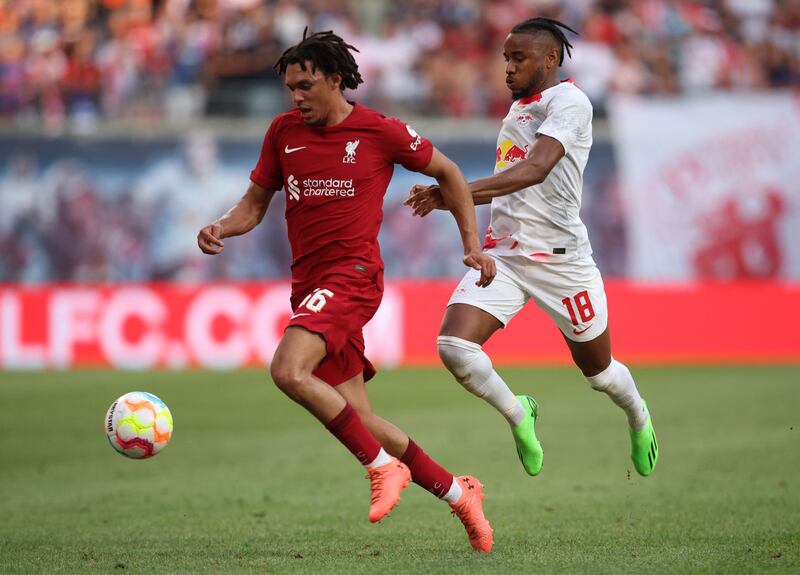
x=125, y=125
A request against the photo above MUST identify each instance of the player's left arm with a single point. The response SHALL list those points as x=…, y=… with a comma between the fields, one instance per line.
x=455, y=194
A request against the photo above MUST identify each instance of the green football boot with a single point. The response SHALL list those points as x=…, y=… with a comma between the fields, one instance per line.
x=528, y=447
x=644, y=447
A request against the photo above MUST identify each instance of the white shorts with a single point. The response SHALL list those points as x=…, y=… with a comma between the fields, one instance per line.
x=571, y=293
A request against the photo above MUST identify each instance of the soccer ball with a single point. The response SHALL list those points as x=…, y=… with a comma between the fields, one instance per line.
x=138, y=425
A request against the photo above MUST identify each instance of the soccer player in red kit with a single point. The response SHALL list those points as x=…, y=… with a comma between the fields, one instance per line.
x=335, y=159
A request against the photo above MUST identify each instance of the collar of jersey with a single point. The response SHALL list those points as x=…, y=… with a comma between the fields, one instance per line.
x=344, y=123
x=536, y=97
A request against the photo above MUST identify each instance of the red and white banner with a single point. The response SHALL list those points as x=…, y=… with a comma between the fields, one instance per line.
x=710, y=185
x=230, y=326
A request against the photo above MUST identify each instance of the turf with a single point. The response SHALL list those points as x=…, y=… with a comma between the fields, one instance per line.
x=252, y=484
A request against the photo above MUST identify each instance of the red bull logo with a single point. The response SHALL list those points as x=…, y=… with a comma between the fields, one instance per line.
x=508, y=153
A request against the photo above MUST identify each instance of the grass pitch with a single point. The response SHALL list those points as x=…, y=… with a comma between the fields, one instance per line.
x=253, y=484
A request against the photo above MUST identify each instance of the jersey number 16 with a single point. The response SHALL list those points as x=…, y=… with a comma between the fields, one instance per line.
x=316, y=300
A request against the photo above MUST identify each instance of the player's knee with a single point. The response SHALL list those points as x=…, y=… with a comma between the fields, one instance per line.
x=592, y=366
x=287, y=378
x=456, y=354
x=464, y=359
x=604, y=377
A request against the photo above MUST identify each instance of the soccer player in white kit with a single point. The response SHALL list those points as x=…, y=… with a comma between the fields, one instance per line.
x=540, y=246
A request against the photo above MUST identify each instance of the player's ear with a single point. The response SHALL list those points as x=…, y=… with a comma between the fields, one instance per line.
x=551, y=60
x=335, y=81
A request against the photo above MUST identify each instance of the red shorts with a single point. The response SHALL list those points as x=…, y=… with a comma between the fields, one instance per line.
x=337, y=307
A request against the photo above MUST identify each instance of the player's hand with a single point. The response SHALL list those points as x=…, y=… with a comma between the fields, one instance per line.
x=423, y=199
x=209, y=239
x=478, y=260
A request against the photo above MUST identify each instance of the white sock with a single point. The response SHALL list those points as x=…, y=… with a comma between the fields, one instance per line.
x=473, y=370
x=616, y=382
x=454, y=493
x=381, y=459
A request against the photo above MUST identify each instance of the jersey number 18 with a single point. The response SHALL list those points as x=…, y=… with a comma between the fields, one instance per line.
x=583, y=304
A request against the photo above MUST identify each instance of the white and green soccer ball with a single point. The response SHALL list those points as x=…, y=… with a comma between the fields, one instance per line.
x=138, y=425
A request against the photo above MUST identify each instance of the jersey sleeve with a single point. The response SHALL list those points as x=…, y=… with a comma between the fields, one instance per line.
x=267, y=172
x=567, y=119
x=404, y=146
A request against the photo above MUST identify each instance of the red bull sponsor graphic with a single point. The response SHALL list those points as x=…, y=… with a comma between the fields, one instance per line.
x=508, y=153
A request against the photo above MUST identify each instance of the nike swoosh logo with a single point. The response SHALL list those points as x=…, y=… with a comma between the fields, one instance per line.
x=298, y=315
x=576, y=332
x=289, y=150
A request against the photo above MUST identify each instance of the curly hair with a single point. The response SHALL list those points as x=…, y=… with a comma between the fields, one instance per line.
x=328, y=53
x=554, y=27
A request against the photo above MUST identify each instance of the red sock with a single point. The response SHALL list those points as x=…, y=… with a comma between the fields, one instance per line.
x=349, y=429
x=425, y=471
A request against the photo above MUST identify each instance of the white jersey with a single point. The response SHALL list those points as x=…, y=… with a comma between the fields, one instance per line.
x=543, y=221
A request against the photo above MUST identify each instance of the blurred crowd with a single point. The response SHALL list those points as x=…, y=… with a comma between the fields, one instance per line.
x=75, y=62
x=128, y=211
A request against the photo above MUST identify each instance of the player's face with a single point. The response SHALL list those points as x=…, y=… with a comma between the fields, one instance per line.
x=529, y=62
x=312, y=92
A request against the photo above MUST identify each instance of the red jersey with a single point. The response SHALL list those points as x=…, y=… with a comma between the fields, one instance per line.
x=335, y=179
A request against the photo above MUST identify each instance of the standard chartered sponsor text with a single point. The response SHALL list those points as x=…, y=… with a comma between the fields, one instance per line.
x=328, y=187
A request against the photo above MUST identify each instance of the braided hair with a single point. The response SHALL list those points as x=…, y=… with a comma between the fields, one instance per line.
x=554, y=27
x=327, y=52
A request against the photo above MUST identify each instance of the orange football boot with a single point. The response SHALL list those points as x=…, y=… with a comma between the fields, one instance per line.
x=469, y=509
x=386, y=483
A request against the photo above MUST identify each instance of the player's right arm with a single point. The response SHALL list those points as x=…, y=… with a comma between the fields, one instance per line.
x=265, y=179
x=240, y=219
x=545, y=154
x=567, y=118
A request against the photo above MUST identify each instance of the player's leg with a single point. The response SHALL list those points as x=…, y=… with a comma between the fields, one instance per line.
x=607, y=375
x=391, y=437
x=425, y=472
x=465, y=328
x=298, y=354
x=573, y=294
x=472, y=316
x=464, y=494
